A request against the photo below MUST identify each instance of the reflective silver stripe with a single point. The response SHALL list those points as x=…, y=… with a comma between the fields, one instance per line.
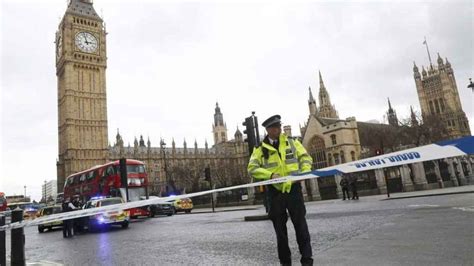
x=306, y=161
x=255, y=161
x=303, y=155
x=270, y=165
x=294, y=160
x=253, y=170
x=293, y=149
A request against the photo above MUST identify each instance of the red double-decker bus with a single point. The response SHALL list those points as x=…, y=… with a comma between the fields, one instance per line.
x=104, y=180
x=3, y=202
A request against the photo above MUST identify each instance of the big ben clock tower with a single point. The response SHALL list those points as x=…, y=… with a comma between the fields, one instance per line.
x=81, y=62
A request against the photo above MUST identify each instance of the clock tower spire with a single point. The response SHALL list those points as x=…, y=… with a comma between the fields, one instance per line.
x=81, y=62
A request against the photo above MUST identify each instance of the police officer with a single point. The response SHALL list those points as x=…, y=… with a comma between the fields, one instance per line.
x=345, y=188
x=77, y=223
x=282, y=156
x=67, y=206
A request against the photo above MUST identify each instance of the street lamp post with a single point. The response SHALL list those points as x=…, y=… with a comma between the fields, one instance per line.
x=44, y=197
x=471, y=85
x=25, y=192
x=163, y=146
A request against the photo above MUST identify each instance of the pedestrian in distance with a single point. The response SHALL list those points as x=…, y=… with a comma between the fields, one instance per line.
x=345, y=188
x=353, y=185
x=280, y=156
x=67, y=206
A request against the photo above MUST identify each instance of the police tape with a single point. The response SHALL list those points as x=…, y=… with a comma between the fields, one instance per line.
x=447, y=149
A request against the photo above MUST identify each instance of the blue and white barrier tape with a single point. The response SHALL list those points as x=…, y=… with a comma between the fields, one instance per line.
x=447, y=149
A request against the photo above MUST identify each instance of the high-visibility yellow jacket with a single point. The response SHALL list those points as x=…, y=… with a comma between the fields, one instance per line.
x=293, y=159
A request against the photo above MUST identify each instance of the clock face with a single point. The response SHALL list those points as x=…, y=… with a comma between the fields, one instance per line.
x=86, y=42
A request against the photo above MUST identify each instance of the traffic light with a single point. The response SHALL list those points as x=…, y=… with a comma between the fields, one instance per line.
x=207, y=174
x=250, y=132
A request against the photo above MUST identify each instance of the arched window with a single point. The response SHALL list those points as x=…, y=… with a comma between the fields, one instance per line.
x=336, y=158
x=343, y=158
x=437, y=106
x=441, y=102
x=431, y=108
x=353, y=155
x=317, y=151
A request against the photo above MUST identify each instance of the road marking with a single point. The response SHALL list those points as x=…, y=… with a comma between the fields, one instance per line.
x=465, y=209
x=423, y=205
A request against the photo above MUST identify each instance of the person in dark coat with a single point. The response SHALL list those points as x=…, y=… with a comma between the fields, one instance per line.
x=345, y=188
x=78, y=222
x=67, y=206
x=353, y=185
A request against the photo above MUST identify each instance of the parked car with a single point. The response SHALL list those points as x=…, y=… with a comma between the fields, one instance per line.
x=48, y=211
x=165, y=208
x=183, y=205
x=106, y=219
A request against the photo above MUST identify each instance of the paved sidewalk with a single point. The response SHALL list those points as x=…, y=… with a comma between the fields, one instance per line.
x=429, y=234
x=432, y=192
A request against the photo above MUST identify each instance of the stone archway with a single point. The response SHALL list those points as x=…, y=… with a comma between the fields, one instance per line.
x=317, y=151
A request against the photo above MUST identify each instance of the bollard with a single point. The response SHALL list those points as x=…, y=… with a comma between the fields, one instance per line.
x=18, y=240
x=3, y=243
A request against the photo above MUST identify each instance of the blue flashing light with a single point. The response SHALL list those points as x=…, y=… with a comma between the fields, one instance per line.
x=97, y=197
x=172, y=195
x=100, y=220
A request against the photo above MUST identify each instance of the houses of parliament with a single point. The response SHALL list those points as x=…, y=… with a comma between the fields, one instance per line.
x=81, y=63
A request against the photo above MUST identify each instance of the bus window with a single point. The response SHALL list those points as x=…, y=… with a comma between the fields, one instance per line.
x=91, y=175
x=136, y=169
x=110, y=171
x=82, y=178
x=76, y=180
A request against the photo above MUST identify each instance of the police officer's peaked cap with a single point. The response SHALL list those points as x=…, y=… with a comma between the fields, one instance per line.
x=272, y=121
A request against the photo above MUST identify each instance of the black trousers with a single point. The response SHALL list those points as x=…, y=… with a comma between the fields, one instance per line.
x=294, y=203
x=354, y=193
x=345, y=191
x=67, y=228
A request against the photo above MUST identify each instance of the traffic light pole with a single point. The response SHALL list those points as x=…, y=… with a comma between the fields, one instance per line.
x=123, y=175
x=207, y=175
x=253, y=140
x=212, y=196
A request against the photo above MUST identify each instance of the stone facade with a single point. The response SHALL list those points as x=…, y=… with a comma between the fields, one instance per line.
x=439, y=97
x=326, y=109
x=81, y=62
x=181, y=169
x=391, y=115
x=332, y=141
x=219, y=128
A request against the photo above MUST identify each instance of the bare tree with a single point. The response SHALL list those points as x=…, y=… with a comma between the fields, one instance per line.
x=418, y=131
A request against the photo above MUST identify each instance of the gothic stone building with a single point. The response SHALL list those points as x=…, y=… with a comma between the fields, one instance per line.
x=439, y=97
x=182, y=168
x=81, y=61
x=331, y=141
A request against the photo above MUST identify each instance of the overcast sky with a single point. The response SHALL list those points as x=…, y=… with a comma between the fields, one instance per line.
x=169, y=62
